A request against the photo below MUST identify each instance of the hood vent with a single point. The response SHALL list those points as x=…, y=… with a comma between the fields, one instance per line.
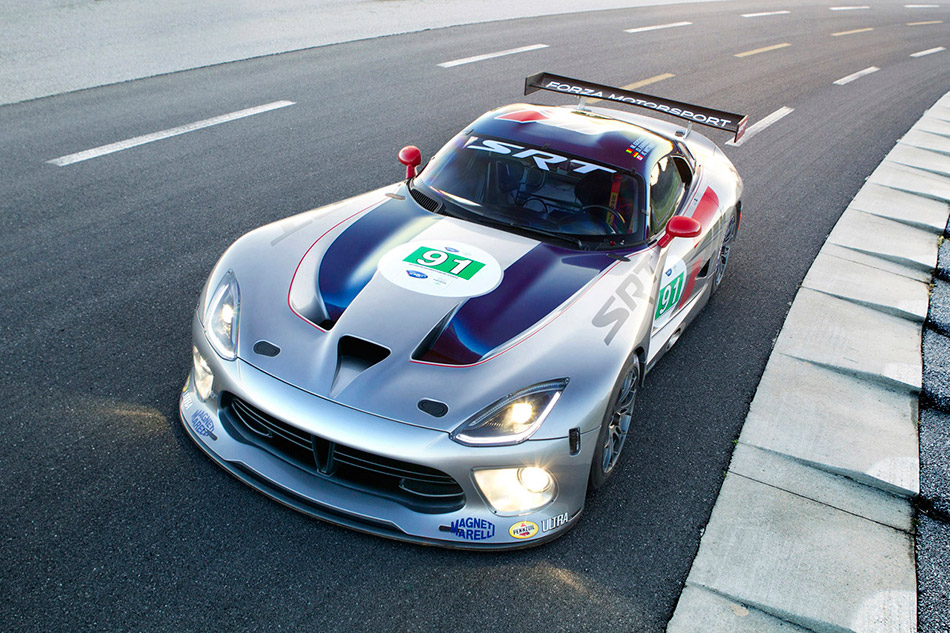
x=424, y=201
x=354, y=356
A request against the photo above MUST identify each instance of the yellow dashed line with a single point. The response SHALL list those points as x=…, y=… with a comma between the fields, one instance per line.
x=923, y=23
x=762, y=50
x=639, y=84
x=852, y=32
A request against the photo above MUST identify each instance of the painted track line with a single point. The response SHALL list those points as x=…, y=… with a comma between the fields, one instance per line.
x=855, y=8
x=481, y=58
x=921, y=6
x=852, y=32
x=656, y=27
x=765, y=13
x=924, y=23
x=857, y=75
x=639, y=84
x=765, y=49
x=752, y=130
x=111, y=148
x=929, y=51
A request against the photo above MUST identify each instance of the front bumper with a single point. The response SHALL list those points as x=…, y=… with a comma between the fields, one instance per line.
x=212, y=428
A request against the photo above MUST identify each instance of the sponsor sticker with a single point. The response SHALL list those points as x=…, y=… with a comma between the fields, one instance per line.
x=202, y=423
x=641, y=148
x=671, y=290
x=473, y=529
x=523, y=530
x=186, y=401
x=552, y=523
x=441, y=270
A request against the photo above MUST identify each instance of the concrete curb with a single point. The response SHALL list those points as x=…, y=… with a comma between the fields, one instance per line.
x=813, y=528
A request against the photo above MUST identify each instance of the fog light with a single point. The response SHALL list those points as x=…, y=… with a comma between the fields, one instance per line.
x=535, y=479
x=516, y=490
x=203, y=375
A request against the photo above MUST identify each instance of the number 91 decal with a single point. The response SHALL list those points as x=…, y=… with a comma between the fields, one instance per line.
x=444, y=270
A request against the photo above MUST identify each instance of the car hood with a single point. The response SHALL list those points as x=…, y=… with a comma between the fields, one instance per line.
x=378, y=304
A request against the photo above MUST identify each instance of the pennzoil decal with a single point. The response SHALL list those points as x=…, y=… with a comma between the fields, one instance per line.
x=523, y=530
x=441, y=269
x=473, y=529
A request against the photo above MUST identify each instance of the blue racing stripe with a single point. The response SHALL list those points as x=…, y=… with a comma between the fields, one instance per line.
x=350, y=262
x=532, y=287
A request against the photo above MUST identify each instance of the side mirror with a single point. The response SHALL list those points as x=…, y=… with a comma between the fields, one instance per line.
x=411, y=157
x=680, y=226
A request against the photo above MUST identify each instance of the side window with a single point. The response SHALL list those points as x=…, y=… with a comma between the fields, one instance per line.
x=668, y=183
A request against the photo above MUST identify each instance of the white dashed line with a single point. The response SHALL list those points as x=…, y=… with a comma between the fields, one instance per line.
x=762, y=15
x=925, y=23
x=656, y=27
x=852, y=32
x=764, y=49
x=752, y=130
x=111, y=148
x=860, y=8
x=480, y=58
x=921, y=6
x=929, y=51
x=857, y=75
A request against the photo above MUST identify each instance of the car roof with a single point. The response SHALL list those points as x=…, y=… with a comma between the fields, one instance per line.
x=579, y=133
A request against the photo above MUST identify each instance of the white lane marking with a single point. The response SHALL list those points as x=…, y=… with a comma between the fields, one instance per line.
x=480, y=58
x=855, y=8
x=765, y=13
x=923, y=23
x=111, y=148
x=657, y=27
x=840, y=33
x=921, y=6
x=857, y=75
x=765, y=49
x=929, y=51
x=754, y=129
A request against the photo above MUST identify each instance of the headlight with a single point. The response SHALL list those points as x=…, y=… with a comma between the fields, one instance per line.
x=203, y=375
x=221, y=316
x=516, y=490
x=512, y=419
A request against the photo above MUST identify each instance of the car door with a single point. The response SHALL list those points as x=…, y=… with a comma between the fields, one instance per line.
x=672, y=192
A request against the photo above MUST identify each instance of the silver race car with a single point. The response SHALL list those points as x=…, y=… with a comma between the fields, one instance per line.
x=454, y=359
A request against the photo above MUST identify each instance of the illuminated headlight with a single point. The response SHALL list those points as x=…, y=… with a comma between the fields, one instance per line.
x=221, y=316
x=516, y=490
x=203, y=376
x=512, y=419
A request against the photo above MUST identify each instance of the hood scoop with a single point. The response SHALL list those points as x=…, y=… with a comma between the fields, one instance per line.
x=354, y=356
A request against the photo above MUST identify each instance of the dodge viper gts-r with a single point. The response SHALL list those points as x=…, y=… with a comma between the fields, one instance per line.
x=454, y=359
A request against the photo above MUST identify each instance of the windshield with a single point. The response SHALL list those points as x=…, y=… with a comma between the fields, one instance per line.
x=536, y=190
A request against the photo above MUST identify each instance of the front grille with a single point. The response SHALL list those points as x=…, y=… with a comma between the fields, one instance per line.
x=419, y=488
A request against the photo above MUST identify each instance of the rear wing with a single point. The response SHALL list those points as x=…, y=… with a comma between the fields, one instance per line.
x=584, y=89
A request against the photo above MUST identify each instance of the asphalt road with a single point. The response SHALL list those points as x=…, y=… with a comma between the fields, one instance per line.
x=113, y=520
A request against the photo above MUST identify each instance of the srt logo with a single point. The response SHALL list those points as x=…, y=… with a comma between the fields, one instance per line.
x=542, y=159
x=628, y=292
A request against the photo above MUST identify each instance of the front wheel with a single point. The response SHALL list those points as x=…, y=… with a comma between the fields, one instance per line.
x=616, y=424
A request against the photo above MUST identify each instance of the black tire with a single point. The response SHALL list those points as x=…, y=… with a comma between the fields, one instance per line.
x=722, y=258
x=616, y=424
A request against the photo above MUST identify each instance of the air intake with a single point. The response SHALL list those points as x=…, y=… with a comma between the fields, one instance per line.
x=354, y=356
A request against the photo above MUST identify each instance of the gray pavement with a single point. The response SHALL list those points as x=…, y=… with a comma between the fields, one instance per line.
x=119, y=524
x=109, y=41
x=814, y=527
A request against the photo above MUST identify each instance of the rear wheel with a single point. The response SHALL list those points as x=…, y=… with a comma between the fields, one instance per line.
x=616, y=424
x=723, y=258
